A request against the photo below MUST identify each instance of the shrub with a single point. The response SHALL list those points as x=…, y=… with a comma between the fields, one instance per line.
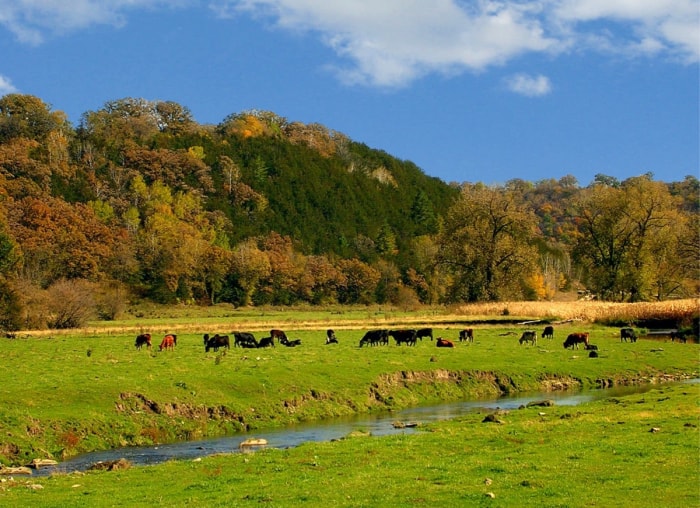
x=70, y=303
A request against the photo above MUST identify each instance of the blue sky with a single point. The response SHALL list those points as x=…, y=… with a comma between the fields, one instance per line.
x=469, y=90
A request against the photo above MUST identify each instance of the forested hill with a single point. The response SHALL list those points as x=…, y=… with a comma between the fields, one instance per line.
x=139, y=199
x=256, y=175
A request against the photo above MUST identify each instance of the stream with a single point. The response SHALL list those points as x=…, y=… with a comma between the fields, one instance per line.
x=377, y=424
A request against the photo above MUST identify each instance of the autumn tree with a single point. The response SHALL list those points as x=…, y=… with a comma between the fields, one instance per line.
x=358, y=283
x=26, y=116
x=121, y=120
x=249, y=266
x=286, y=267
x=22, y=171
x=252, y=124
x=10, y=258
x=59, y=240
x=319, y=280
x=485, y=244
x=619, y=226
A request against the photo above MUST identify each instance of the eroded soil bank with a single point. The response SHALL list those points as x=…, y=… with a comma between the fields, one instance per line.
x=140, y=421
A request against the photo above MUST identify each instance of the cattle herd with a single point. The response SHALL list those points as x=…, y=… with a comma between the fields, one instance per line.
x=409, y=337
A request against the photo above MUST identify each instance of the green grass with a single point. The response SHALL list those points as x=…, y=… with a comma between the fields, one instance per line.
x=57, y=400
x=636, y=451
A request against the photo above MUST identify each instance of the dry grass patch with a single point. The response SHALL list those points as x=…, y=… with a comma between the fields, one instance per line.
x=588, y=310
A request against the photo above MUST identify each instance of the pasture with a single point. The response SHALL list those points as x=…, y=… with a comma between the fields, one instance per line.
x=67, y=394
x=638, y=451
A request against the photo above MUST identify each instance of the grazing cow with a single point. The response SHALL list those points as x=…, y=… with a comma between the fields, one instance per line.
x=404, y=336
x=330, y=337
x=278, y=334
x=424, y=332
x=143, y=340
x=681, y=336
x=375, y=338
x=245, y=340
x=444, y=342
x=548, y=332
x=216, y=342
x=291, y=343
x=528, y=336
x=466, y=335
x=628, y=333
x=574, y=339
x=168, y=342
x=266, y=342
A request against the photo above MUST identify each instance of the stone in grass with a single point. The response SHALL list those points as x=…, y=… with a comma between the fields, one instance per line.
x=492, y=418
x=110, y=465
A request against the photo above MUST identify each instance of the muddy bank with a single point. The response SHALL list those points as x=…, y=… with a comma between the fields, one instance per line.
x=140, y=421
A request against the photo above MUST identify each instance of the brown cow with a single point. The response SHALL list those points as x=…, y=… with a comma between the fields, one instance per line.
x=440, y=342
x=574, y=339
x=168, y=342
x=279, y=335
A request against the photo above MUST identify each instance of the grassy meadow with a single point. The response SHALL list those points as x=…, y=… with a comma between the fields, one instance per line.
x=89, y=389
x=638, y=451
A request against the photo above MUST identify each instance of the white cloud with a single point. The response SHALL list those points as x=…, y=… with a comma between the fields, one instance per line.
x=393, y=42
x=530, y=86
x=29, y=20
x=631, y=25
x=6, y=86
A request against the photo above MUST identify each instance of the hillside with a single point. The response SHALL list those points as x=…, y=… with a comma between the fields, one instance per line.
x=141, y=201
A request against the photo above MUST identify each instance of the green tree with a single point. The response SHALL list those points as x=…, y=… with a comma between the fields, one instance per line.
x=386, y=240
x=423, y=213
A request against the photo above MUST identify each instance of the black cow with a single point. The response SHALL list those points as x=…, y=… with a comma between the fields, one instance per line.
x=404, y=336
x=574, y=339
x=375, y=338
x=548, y=332
x=266, y=342
x=424, y=332
x=278, y=334
x=244, y=340
x=528, y=336
x=216, y=342
x=290, y=343
x=680, y=336
x=330, y=337
x=466, y=335
x=143, y=340
x=628, y=333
